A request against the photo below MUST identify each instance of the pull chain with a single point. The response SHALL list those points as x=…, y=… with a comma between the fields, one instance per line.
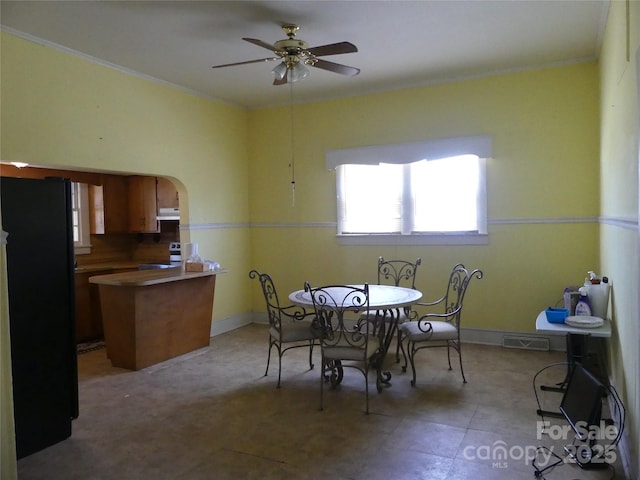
x=293, y=162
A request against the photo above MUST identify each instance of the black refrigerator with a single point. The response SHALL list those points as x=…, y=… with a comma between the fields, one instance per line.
x=36, y=214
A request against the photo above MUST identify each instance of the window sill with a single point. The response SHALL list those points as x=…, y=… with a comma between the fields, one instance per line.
x=415, y=239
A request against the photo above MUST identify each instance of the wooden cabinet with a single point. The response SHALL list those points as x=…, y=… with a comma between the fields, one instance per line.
x=167, y=194
x=83, y=309
x=129, y=204
x=88, y=314
x=88, y=311
x=109, y=205
x=143, y=204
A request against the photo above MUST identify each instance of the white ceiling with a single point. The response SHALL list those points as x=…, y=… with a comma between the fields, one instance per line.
x=400, y=43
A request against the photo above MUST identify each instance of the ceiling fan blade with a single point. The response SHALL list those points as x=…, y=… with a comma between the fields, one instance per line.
x=333, y=49
x=247, y=62
x=260, y=43
x=336, y=68
x=283, y=80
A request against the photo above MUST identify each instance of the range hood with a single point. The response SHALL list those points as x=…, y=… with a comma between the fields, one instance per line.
x=168, y=214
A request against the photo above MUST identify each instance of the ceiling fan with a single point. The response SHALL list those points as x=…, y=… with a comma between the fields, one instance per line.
x=295, y=54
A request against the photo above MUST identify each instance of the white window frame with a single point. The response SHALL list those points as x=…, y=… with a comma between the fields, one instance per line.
x=405, y=154
x=80, y=211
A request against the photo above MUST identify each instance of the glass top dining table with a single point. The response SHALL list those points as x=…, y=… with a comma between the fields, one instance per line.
x=381, y=297
x=386, y=301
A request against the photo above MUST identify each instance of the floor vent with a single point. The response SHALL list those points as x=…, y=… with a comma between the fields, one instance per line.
x=526, y=343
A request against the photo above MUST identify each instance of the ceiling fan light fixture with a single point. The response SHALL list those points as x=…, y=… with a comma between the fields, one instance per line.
x=298, y=72
x=280, y=70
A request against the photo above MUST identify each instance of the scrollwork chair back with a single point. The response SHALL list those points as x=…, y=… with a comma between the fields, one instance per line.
x=289, y=326
x=441, y=329
x=347, y=339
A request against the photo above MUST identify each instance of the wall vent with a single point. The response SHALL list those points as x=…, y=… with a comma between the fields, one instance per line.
x=526, y=343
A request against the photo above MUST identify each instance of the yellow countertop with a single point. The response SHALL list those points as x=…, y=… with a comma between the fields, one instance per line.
x=141, y=278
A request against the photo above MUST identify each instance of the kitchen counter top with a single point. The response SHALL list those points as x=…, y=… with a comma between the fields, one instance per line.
x=141, y=278
x=120, y=265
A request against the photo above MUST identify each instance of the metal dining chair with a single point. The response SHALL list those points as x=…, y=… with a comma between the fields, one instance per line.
x=441, y=329
x=346, y=341
x=399, y=273
x=289, y=327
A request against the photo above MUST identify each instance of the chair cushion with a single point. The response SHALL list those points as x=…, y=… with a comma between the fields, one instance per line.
x=344, y=352
x=294, y=331
x=441, y=331
x=372, y=315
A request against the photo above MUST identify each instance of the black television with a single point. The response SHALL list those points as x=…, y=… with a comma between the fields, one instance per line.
x=582, y=407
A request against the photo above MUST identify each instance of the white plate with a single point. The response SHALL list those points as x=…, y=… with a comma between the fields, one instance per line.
x=584, y=321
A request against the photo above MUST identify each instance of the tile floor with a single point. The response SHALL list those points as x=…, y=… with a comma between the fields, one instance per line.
x=212, y=414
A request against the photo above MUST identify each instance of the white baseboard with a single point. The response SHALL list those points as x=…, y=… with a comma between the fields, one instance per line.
x=227, y=324
x=485, y=336
x=470, y=335
x=261, y=317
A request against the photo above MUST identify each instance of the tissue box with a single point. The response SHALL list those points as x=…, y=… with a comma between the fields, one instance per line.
x=556, y=315
x=196, y=267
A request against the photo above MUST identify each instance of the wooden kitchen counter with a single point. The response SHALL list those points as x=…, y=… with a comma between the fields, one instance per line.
x=141, y=278
x=153, y=315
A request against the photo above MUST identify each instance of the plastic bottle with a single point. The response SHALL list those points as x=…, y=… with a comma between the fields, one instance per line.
x=583, y=307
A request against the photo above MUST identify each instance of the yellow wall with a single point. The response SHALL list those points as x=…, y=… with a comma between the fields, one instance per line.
x=63, y=111
x=60, y=110
x=544, y=125
x=620, y=245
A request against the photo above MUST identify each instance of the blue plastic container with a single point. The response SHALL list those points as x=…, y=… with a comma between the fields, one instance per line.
x=556, y=315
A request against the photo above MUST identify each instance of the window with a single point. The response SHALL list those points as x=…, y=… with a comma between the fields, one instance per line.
x=445, y=195
x=396, y=194
x=80, y=217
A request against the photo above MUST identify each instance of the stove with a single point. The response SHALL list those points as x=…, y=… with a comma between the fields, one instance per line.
x=175, y=252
